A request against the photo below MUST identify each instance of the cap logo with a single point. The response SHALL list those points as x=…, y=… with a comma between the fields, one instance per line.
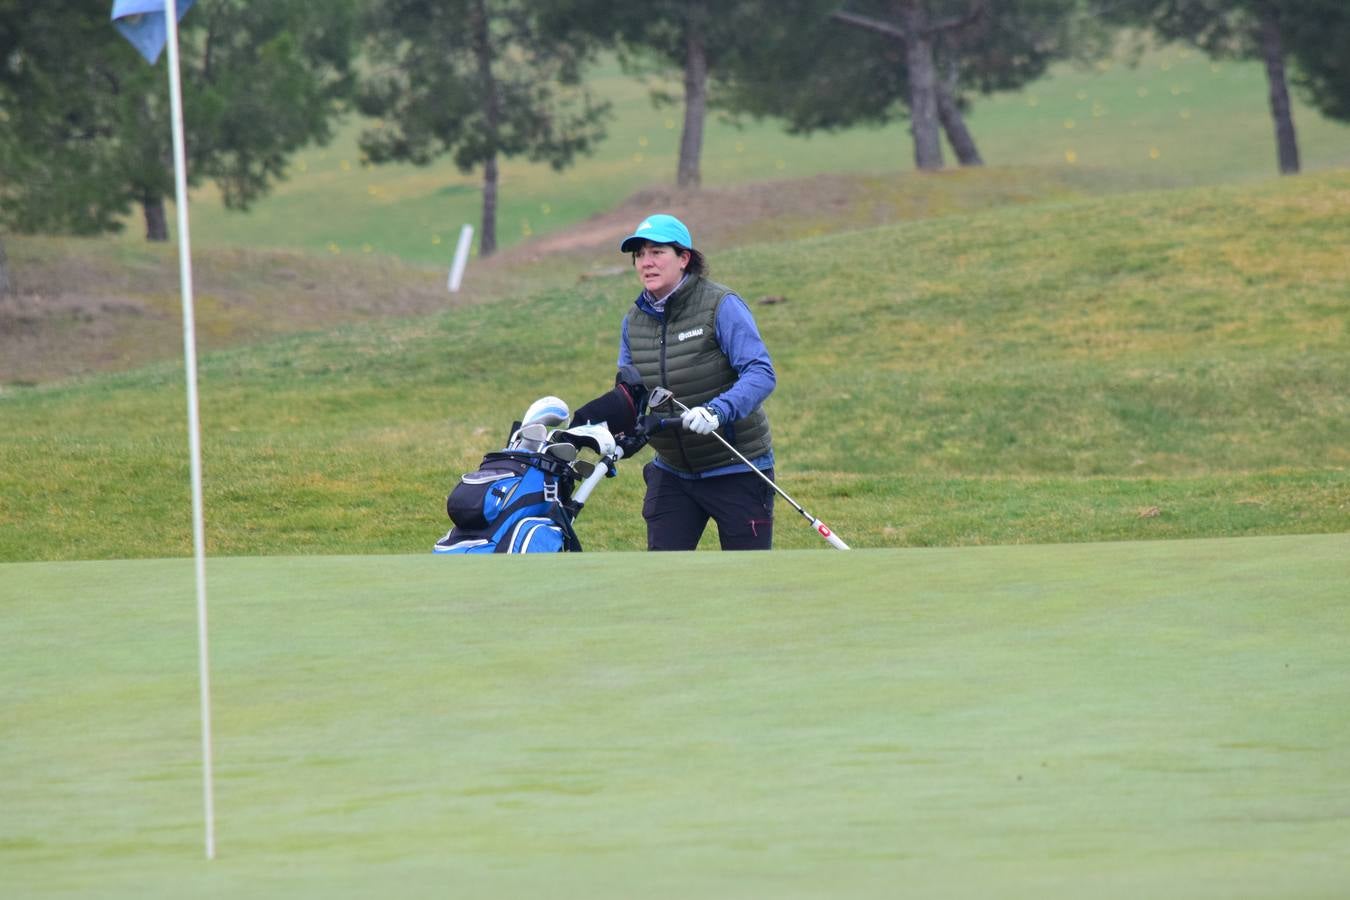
x=646, y=223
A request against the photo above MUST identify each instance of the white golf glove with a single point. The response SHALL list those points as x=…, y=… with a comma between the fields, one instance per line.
x=700, y=420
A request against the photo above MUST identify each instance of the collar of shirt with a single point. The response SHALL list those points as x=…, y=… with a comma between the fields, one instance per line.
x=660, y=305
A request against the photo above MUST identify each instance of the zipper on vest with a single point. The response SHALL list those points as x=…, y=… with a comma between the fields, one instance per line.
x=665, y=379
x=661, y=349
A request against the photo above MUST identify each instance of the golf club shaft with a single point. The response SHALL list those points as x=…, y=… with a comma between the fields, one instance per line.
x=821, y=528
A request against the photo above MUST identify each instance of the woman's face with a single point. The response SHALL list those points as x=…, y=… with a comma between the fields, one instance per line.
x=659, y=267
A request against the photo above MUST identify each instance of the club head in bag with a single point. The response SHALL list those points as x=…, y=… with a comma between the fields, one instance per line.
x=564, y=451
x=530, y=437
x=548, y=411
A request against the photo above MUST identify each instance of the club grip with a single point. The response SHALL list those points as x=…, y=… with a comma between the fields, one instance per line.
x=651, y=423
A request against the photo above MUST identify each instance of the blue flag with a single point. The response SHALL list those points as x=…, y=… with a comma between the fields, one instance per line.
x=142, y=23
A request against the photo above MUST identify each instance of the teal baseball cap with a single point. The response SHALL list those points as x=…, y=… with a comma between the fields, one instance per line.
x=658, y=229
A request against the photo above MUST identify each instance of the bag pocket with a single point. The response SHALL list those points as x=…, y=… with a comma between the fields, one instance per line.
x=536, y=534
x=480, y=496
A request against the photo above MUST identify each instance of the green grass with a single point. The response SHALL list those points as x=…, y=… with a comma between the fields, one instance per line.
x=1037, y=374
x=1119, y=720
x=1176, y=119
x=1132, y=719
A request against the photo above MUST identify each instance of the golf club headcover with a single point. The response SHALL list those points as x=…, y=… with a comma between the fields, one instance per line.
x=629, y=378
x=615, y=409
x=619, y=408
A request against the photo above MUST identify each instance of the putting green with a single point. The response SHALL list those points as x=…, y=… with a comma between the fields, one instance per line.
x=1098, y=720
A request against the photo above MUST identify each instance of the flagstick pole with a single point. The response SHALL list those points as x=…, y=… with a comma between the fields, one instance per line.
x=194, y=422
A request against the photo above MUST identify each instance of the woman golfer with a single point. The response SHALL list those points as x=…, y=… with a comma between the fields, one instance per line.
x=698, y=339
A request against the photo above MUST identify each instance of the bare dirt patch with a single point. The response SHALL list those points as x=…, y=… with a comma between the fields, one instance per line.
x=718, y=218
x=73, y=311
x=790, y=209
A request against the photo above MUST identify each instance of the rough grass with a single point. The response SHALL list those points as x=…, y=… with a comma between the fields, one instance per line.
x=1147, y=365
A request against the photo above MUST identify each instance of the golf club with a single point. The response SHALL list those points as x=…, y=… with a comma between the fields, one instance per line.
x=530, y=437
x=565, y=452
x=660, y=397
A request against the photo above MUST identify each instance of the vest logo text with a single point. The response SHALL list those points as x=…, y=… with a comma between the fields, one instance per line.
x=686, y=335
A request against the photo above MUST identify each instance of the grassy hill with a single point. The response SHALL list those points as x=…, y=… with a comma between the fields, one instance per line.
x=321, y=250
x=1164, y=364
x=83, y=306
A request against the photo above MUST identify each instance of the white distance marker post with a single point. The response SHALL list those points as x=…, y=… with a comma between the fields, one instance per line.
x=461, y=258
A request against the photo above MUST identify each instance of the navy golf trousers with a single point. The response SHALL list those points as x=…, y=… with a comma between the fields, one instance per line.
x=677, y=509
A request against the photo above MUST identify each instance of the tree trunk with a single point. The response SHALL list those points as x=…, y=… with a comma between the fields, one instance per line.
x=4, y=271
x=949, y=113
x=695, y=99
x=1272, y=51
x=923, y=106
x=156, y=225
x=487, y=239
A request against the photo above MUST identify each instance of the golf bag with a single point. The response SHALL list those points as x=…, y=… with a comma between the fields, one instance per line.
x=518, y=501
x=523, y=499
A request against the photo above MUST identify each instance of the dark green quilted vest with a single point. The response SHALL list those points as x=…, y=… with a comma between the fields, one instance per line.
x=681, y=353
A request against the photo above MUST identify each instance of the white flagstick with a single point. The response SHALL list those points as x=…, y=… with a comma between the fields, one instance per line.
x=194, y=423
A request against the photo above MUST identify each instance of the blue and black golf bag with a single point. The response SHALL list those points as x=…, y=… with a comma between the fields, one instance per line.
x=518, y=501
x=523, y=499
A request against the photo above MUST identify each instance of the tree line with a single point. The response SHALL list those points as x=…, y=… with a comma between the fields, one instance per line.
x=85, y=137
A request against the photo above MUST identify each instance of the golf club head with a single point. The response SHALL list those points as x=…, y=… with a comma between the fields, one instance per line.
x=659, y=397
x=530, y=437
x=565, y=452
x=547, y=411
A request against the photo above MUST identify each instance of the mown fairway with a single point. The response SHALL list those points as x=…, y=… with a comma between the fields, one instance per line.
x=1149, y=719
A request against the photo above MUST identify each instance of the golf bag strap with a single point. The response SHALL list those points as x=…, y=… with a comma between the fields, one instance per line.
x=546, y=464
x=564, y=521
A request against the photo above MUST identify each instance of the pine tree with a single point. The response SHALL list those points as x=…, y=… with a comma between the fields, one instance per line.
x=479, y=80
x=86, y=130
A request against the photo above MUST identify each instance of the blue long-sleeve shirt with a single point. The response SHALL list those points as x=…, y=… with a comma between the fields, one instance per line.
x=738, y=338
